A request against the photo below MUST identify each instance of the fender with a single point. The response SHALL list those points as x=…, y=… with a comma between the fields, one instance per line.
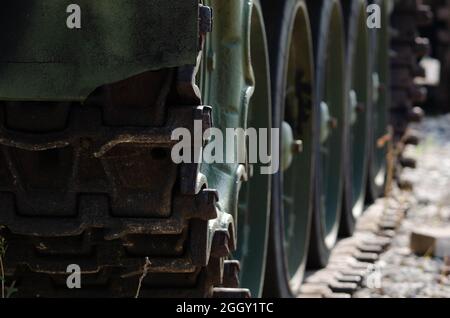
x=42, y=59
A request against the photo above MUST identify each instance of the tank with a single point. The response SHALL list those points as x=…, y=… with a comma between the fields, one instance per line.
x=97, y=99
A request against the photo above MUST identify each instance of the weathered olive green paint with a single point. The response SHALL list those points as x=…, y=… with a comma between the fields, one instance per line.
x=254, y=204
x=228, y=84
x=298, y=114
x=42, y=59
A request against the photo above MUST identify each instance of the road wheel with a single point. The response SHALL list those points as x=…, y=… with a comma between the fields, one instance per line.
x=357, y=89
x=254, y=195
x=380, y=96
x=295, y=114
x=235, y=80
x=329, y=49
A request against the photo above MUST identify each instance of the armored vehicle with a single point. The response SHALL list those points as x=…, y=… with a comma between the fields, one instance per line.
x=92, y=95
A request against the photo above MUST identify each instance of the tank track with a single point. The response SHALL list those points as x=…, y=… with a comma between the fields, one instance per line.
x=93, y=184
x=408, y=49
x=438, y=30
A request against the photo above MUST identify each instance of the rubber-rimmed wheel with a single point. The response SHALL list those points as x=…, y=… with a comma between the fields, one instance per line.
x=357, y=89
x=329, y=48
x=254, y=195
x=380, y=95
x=294, y=113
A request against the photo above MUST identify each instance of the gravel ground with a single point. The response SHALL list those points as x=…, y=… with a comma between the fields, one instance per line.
x=400, y=273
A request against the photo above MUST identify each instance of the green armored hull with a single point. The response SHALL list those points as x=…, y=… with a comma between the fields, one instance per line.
x=117, y=39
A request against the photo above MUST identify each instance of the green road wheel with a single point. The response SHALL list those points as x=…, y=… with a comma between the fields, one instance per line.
x=254, y=196
x=380, y=45
x=235, y=80
x=329, y=49
x=357, y=89
x=294, y=113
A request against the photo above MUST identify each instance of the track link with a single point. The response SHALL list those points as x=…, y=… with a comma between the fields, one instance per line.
x=94, y=185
